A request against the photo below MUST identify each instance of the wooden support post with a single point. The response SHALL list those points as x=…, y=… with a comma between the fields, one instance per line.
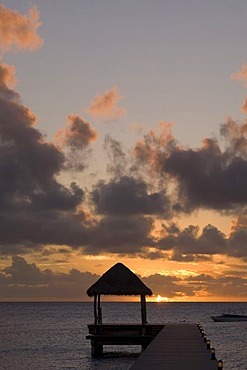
x=95, y=308
x=96, y=348
x=99, y=311
x=143, y=309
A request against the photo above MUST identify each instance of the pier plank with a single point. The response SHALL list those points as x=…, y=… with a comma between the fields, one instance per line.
x=176, y=347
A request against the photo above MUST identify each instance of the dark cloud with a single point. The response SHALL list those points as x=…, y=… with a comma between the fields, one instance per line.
x=23, y=280
x=238, y=266
x=211, y=177
x=117, y=160
x=222, y=286
x=207, y=180
x=191, y=244
x=237, y=243
x=78, y=134
x=167, y=286
x=75, y=140
x=190, y=241
x=23, y=273
x=125, y=235
x=18, y=248
x=35, y=207
x=182, y=257
x=153, y=254
x=128, y=196
x=154, y=148
x=241, y=272
x=55, y=250
x=53, y=227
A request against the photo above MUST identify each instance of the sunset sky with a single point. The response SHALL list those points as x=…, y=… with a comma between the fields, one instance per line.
x=123, y=138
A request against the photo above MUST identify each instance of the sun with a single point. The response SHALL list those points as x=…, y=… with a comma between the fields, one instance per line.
x=161, y=299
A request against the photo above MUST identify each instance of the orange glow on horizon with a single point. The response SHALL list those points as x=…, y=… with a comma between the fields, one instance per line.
x=161, y=299
x=158, y=298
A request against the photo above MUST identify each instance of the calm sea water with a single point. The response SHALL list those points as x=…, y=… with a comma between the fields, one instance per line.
x=40, y=336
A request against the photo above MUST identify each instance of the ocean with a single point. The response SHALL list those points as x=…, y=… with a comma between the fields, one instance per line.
x=41, y=336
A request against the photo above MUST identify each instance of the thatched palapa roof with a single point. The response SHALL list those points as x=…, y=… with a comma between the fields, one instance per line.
x=119, y=280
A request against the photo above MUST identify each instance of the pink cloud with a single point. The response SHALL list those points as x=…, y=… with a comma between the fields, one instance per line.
x=18, y=31
x=106, y=105
x=78, y=134
x=7, y=78
x=240, y=75
x=244, y=106
x=157, y=143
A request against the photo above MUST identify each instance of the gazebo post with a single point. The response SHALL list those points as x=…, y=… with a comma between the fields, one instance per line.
x=95, y=308
x=99, y=311
x=96, y=347
x=143, y=309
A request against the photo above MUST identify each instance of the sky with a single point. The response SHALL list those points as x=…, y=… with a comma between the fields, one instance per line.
x=123, y=138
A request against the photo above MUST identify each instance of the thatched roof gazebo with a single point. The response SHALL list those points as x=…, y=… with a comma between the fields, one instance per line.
x=118, y=280
x=121, y=281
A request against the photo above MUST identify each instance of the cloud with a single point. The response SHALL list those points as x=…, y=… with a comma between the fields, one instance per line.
x=120, y=235
x=189, y=244
x=7, y=249
x=7, y=82
x=118, y=232
x=210, y=177
x=238, y=237
x=118, y=162
x=18, y=31
x=154, y=148
x=221, y=286
x=208, y=180
x=26, y=281
x=158, y=179
x=32, y=202
x=77, y=135
x=240, y=75
x=105, y=105
x=75, y=139
x=182, y=257
x=167, y=286
x=189, y=241
x=128, y=196
x=7, y=78
x=244, y=106
x=42, y=211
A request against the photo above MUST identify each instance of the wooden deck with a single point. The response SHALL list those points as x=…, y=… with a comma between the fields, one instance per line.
x=176, y=347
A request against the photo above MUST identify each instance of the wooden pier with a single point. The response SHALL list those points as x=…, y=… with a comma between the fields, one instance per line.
x=121, y=334
x=177, y=347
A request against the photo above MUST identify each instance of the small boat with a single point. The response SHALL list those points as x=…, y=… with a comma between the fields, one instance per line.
x=227, y=317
